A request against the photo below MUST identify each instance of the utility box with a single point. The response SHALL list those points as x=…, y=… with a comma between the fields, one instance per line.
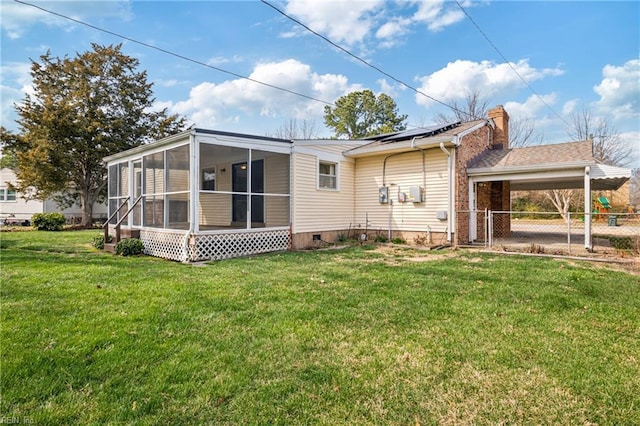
x=441, y=215
x=613, y=220
x=383, y=195
x=415, y=194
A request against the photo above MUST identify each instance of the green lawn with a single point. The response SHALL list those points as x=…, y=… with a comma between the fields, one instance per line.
x=353, y=336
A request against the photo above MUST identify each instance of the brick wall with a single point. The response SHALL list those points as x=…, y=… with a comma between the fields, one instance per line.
x=493, y=195
x=472, y=145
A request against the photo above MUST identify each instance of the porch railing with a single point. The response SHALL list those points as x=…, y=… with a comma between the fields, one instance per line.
x=119, y=223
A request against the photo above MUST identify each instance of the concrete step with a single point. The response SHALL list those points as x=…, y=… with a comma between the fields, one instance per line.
x=110, y=247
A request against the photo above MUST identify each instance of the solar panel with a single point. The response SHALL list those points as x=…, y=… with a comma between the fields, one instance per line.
x=422, y=131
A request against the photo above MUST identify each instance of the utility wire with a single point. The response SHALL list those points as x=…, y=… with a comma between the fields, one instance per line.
x=356, y=57
x=177, y=55
x=186, y=58
x=510, y=64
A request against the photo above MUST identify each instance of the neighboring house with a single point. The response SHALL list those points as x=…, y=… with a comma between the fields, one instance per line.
x=16, y=209
x=205, y=194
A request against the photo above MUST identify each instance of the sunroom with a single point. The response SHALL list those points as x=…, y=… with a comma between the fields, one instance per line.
x=203, y=194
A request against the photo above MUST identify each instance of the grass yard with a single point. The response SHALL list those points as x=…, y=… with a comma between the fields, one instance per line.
x=353, y=336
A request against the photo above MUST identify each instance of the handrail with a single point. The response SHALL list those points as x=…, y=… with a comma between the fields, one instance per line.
x=106, y=224
x=125, y=216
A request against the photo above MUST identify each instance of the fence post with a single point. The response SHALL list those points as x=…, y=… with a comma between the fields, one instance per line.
x=569, y=233
x=489, y=228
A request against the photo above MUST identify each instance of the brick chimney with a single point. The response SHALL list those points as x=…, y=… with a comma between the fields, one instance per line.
x=501, y=132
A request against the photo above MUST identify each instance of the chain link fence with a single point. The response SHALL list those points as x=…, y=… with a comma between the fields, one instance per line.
x=551, y=233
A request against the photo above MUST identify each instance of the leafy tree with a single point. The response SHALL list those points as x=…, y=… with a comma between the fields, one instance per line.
x=8, y=158
x=81, y=110
x=361, y=114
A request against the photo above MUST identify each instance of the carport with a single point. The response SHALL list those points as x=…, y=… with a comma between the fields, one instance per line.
x=543, y=167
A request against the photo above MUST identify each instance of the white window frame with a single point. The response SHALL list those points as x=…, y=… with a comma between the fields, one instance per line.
x=336, y=175
x=4, y=197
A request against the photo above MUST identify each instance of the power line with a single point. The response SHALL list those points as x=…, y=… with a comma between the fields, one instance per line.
x=177, y=55
x=509, y=63
x=356, y=57
x=183, y=57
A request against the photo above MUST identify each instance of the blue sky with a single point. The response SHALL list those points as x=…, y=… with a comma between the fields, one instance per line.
x=573, y=56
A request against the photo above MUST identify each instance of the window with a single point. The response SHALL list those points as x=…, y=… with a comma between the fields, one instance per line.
x=209, y=179
x=7, y=195
x=327, y=178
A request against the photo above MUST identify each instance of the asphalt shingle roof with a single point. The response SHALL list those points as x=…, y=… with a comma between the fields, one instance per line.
x=569, y=152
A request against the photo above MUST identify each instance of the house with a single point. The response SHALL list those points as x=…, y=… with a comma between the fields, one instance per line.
x=15, y=208
x=205, y=194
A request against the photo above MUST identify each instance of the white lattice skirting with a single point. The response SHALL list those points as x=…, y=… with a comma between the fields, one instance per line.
x=177, y=246
x=167, y=245
x=225, y=246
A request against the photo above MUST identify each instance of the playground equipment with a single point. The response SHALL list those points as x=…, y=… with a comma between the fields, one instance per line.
x=602, y=207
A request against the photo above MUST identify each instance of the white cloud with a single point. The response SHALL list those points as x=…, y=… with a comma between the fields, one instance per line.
x=389, y=88
x=462, y=77
x=342, y=21
x=619, y=90
x=532, y=107
x=15, y=84
x=210, y=104
x=353, y=22
x=393, y=28
x=569, y=107
x=438, y=14
x=17, y=18
x=219, y=60
x=9, y=96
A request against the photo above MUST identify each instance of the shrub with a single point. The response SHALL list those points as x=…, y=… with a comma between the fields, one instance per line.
x=380, y=239
x=341, y=238
x=48, y=221
x=398, y=240
x=98, y=242
x=129, y=247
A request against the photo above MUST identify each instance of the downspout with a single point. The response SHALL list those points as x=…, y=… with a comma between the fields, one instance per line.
x=449, y=189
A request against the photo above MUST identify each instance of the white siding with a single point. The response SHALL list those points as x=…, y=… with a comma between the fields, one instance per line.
x=403, y=171
x=322, y=209
x=276, y=175
x=22, y=209
x=215, y=209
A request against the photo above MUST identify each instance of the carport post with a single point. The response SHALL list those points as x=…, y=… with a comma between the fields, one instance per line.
x=587, y=208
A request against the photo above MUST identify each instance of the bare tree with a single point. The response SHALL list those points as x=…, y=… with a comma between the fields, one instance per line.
x=474, y=107
x=523, y=132
x=294, y=129
x=608, y=146
x=561, y=199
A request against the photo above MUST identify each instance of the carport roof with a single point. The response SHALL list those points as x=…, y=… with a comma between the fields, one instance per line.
x=540, y=155
x=550, y=166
